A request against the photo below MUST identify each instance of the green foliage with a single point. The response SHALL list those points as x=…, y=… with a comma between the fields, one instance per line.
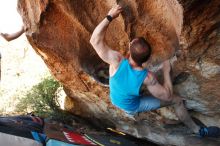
x=41, y=99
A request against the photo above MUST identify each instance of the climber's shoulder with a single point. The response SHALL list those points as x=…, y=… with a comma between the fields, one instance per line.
x=115, y=57
x=116, y=60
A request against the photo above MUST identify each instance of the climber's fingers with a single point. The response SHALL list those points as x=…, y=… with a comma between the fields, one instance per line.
x=115, y=11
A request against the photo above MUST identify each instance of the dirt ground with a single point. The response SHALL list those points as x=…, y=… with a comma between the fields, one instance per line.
x=21, y=69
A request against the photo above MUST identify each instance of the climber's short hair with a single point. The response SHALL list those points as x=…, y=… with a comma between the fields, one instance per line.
x=140, y=50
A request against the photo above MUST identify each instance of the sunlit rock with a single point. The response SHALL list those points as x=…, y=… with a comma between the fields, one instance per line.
x=59, y=31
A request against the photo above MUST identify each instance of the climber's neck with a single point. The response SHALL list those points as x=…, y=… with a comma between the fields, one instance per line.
x=134, y=64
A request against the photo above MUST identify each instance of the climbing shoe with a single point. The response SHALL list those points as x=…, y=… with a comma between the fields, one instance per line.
x=211, y=131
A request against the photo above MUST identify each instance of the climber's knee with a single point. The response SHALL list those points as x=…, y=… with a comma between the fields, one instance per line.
x=173, y=100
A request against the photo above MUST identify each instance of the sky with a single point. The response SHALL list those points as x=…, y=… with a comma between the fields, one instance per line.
x=10, y=20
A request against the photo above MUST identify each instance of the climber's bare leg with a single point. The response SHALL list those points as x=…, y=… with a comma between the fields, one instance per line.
x=181, y=112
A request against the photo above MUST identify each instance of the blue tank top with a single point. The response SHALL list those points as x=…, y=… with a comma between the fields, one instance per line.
x=125, y=86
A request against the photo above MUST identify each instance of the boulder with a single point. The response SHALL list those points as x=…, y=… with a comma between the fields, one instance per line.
x=59, y=31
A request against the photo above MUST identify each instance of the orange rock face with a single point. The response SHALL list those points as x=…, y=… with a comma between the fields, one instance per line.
x=59, y=31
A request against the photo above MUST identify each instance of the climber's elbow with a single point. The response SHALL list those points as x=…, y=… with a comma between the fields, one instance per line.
x=167, y=96
x=96, y=42
x=93, y=41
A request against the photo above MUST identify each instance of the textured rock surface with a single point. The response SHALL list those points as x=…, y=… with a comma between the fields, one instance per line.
x=59, y=31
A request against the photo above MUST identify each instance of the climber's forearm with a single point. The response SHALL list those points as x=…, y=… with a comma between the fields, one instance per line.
x=98, y=36
x=99, y=33
x=167, y=79
x=105, y=52
x=167, y=83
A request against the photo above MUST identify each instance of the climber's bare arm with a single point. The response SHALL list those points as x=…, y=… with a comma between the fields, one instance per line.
x=97, y=40
x=155, y=88
x=163, y=92
x=10, y=37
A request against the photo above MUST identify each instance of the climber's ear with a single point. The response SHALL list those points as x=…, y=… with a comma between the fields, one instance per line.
x=131, y=41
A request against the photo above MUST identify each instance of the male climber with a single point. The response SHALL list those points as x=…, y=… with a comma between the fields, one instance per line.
x=127, y=76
